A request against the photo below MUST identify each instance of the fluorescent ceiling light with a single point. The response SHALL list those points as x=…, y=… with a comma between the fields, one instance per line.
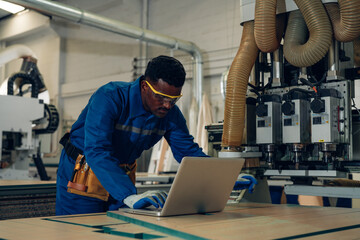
x=10, y=7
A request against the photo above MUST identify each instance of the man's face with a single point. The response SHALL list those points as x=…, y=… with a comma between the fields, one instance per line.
x=159, y=97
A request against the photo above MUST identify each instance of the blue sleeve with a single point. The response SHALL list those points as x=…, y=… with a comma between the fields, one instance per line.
x=181, y=142
x=104, y=108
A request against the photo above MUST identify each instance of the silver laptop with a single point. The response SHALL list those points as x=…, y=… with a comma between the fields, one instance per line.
x=201, y=185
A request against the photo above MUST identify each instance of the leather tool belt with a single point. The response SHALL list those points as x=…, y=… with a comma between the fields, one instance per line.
x=83, y=180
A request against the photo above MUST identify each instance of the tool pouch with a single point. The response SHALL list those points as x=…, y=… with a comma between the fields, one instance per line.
x=85, y=183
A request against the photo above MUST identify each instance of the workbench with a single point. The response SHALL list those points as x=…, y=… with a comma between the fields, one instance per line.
x=35, y=198
x=27, y=198
x=240, y=221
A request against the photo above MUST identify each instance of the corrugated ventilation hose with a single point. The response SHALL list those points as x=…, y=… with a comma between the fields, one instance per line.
x=301, y=54
x=268, y=27
x=236, y=87
x=357, y=52
x=345, y=18
x=307, y=40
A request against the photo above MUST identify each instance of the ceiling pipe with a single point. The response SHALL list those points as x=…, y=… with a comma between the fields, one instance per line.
x=15, y=52
x=83, y=17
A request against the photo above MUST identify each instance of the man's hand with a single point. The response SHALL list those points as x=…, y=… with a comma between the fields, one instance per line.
x=245, y=181
x=155, y=198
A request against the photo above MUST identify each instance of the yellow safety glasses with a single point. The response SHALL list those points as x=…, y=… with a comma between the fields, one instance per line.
x=162, y=97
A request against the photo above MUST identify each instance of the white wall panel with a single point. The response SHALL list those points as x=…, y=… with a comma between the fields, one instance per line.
x=90, y=52
x=74, y=105
x=92, y=57
x=212, y=25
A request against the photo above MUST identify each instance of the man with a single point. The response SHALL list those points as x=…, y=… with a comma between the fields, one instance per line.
x=97, y=166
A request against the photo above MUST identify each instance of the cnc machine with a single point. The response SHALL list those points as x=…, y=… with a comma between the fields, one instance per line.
x=22, y=119
x=306, y=122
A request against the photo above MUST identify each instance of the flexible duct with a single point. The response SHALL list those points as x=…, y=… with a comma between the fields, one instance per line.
x=235, y=101
x=301, y=54
x=357, y=52
x=345, y=18
x=299, y=50
x=15, y=52
x=268, y=28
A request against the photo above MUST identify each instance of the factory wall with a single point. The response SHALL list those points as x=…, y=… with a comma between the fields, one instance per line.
x=93, y=57
x=212, y=25
x=76, y=59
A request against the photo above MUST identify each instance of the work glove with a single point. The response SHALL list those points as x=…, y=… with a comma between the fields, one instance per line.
x=155, y=198
x=245, y=181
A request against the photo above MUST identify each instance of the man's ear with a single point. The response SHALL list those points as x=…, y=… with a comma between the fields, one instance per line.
x=143, y=85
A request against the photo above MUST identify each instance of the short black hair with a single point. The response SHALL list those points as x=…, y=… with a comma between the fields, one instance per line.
x=168, y=69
